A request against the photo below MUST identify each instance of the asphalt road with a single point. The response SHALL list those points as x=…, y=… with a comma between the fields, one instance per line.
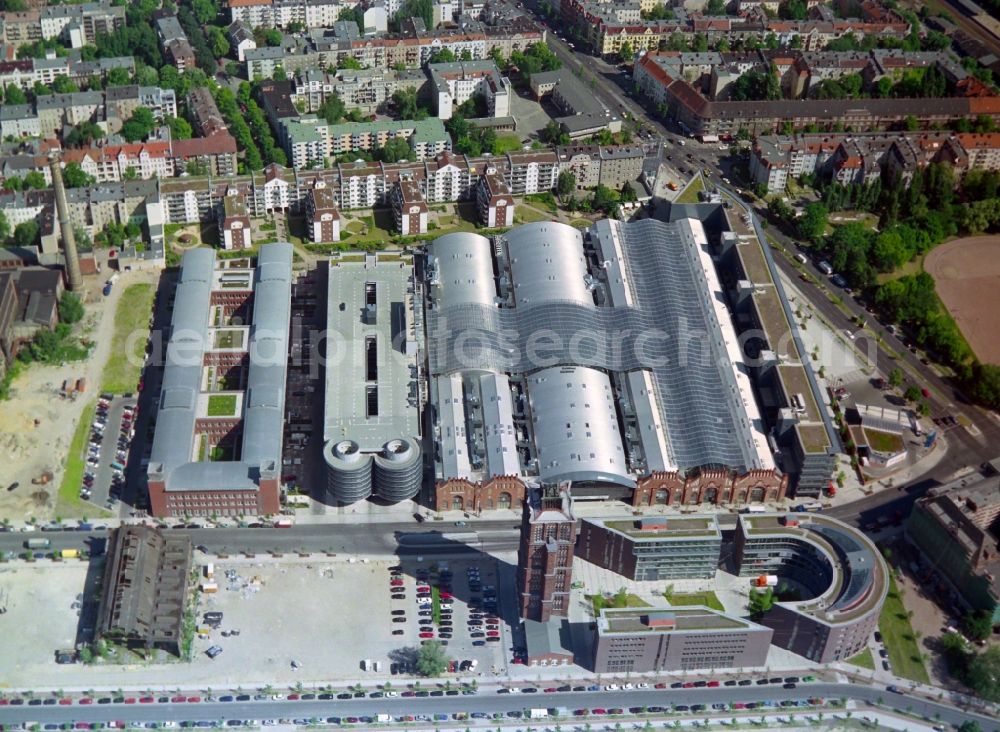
x=387, y=539
x=964, y=449
x=486, y=701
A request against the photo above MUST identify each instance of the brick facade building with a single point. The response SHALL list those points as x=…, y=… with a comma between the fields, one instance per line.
x=545, y=554
x=459, y=494
x=716, y=487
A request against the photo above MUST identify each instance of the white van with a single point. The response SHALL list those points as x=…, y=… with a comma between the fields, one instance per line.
x=802, y=258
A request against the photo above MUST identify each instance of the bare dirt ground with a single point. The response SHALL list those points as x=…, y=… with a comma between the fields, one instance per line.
x=37, y=425
x=967, y=274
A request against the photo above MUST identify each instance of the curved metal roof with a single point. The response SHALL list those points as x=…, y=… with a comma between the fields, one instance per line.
x=264, y=406
x=463, y=270
x=673, y=329
x=547, y=264
x=575, y=425
x=183, y=363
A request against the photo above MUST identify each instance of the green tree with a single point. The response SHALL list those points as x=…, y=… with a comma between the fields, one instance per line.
x=180, y=128
x=407, y=106
x=117, y=77
x=395, y=150
x=26, y=234
x=332, y=109
x=565, y=183
x=792, y=10
x=76, y=177
x=205, y=11
x=432, y=659
x=970, y=726
x=14, y=95
x=217, y=40
x=978, y=624
x=983, y=674
x=139, y=125
x=64, y=85
x=715, y=7
x=441, y=56
x=625, y=53
x=604, y=199
x=84, y=134
x=896, y=378
x=35, y=179
x=70, y=308
x=760, y=601
x=4, y=227
x=812, y=224
x=349, y=62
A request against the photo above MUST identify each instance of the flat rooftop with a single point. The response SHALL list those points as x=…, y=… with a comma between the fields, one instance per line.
x=673, y=527
x=859, y=573
x=685, y=619
x=813, y=437
x=753, y=262
x=775, y=324
x=371, y=382
x=795, y=381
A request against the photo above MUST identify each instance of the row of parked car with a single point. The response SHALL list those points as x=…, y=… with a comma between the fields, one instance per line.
x=98, y=435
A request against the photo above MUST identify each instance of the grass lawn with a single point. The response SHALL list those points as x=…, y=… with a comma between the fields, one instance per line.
x=617, y=600
x=691, y=191
x=121, y=373
x=897, y=634
x=528, y=214
x=884, y=441
x=506, y=142
x=863, y=659
x=68, y=503
x=221, y=405
x=228, y=338
x=706, y=598
x=355, y=227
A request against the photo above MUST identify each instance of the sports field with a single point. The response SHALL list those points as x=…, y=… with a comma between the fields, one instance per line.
x=967, y=275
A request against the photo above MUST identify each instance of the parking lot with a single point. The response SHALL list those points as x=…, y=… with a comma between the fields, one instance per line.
x=313, y=607
x=108, y=448
x=454, y=603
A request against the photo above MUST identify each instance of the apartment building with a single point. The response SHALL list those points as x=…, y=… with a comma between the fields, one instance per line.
x=204, y=112
x=234, y=223
x=409, y=209
x=310, y=141
x=283, y=13
x=367, y=90
x=76, y=25
x=176, y=46
x=27, y=72
x=110, y=108
x=865, y=157
x=453, y=84
x=953, y=526
x=408, y=49
x=494, y=202
x=700, y=116
x=241, y=39
x=322, y=216
x=112, y=163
